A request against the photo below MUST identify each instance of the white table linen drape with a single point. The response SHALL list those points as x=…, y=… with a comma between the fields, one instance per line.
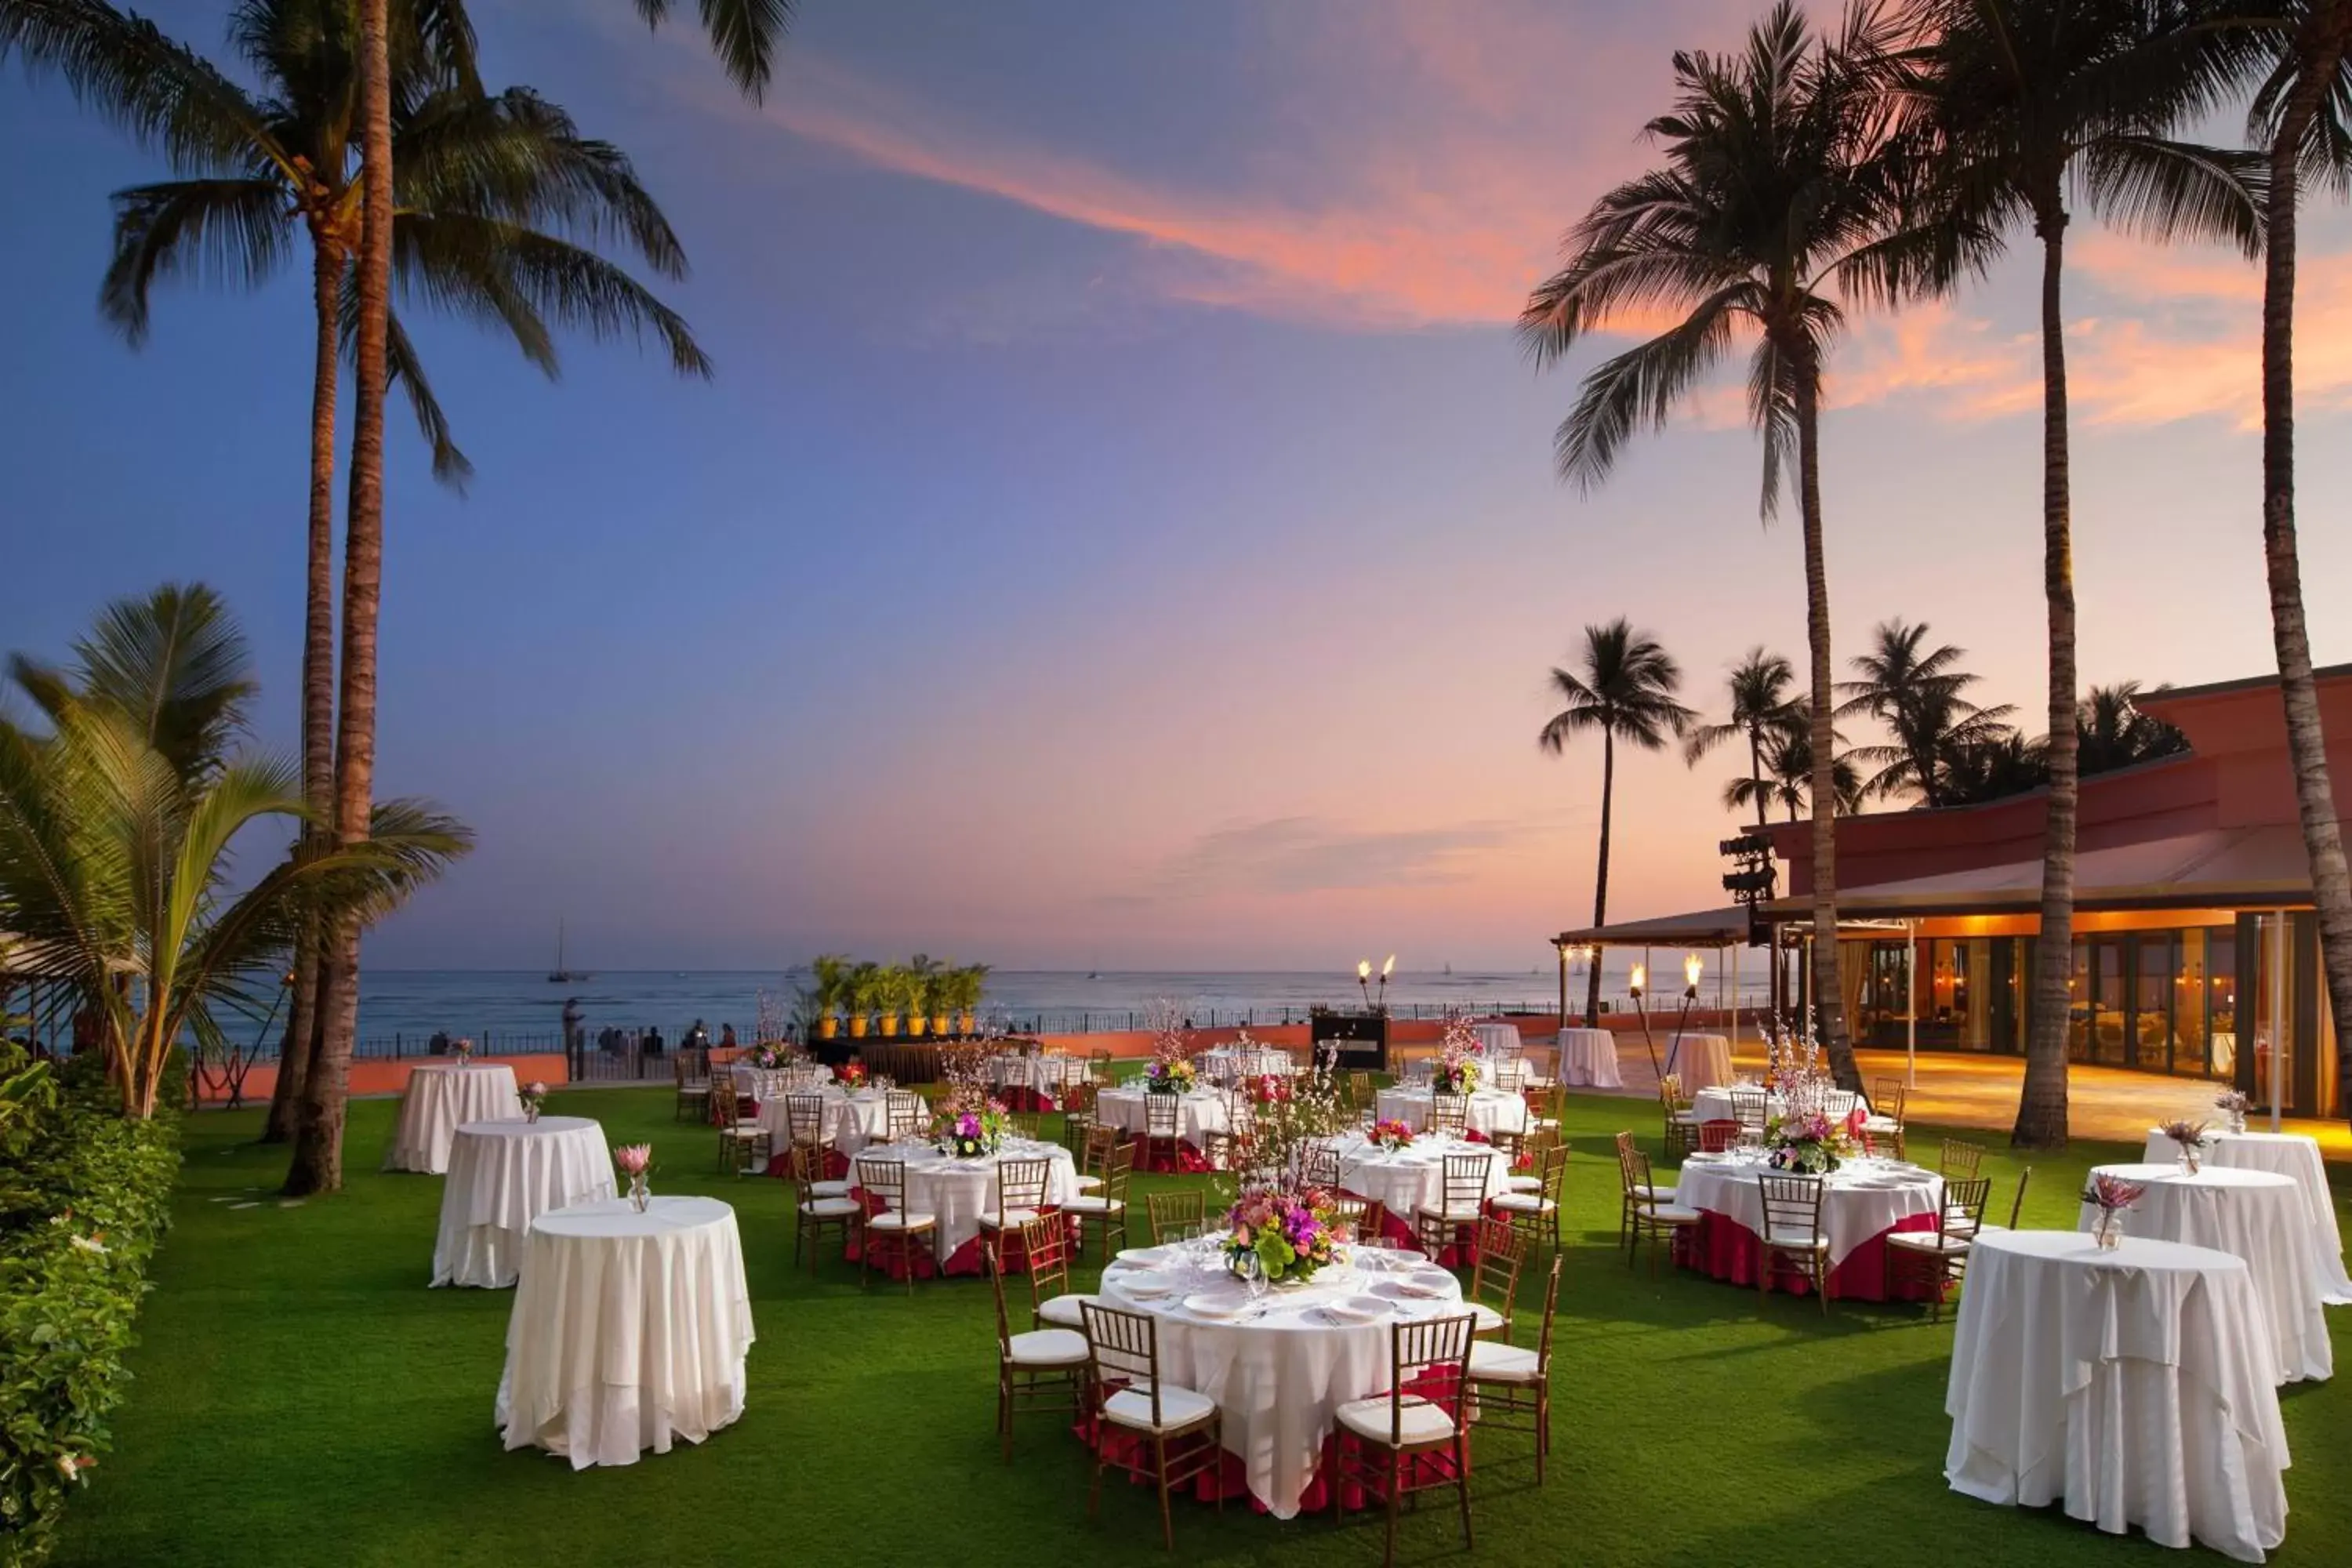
x=1225, y=1063
x=1864, y=1198
x=851, y=1121
x=440, y=1097
x=2256, y=1216
x=958, y=1192
x=629, y=1330
x=1414, y=1176
x=1048, y=1074
x=504, y=1174
x=2135, y=1385
x=2292, y=1154
x=1502, y=1041
x=1278, y=1379
x=1588, y=1059
x=1701, y=1061
x=1488, y=1112
x=1197, y=1115
x=1714, y=1104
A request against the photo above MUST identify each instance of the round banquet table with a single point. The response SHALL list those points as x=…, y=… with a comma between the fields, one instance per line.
x=1279, y=1369
x=1714, y=1104
x=504, y=1174
x=851, y=1121
x=1501, y=1042
x=1412, y=1177
x=2256, y=1216
x=1224, y=1063
x=1588, y=1058
x=1198, y=1114
x=765, y=1084
x=1866, y=1199
x=958, y=1192
x=629, y=1330
x=442, y=1097
x=2135, y=1385
x=2292, y=1154
x=1035, y=1083
x=1701, y=1061
x=1489, y=1111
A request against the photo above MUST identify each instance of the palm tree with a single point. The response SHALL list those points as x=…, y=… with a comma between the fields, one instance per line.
x=744, y=33
x=2016, y=104
x=2297, y=54
x=1760, y=704
x=116, y=828
x=1779, y=196
x=2110, y=730
x=1787, y=780
x=1625, y=691
x=1916, y=692
x=1995, y=768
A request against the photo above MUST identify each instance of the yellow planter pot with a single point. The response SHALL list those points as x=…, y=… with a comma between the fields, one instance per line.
x=857, y=1025
x=940, y=1025
x=827, y=1029
x=963, y=1023
x=889, y=1024
x=914, y=1026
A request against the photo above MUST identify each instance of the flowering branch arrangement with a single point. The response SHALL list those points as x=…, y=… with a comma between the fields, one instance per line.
x=1807, y=1141
x=851, y=1075
x=463, y=1051
x=1391, y=1135
x=2187, y=1134
x=1172, y=1070
x=2110, y=1194
x=1268, y=1089
x=969, y=1121
x=1281, y=1233
x=533, y=1095
x=1460, y=1057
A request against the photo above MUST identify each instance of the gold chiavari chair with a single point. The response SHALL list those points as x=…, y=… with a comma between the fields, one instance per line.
x=1021, y=1187
x=1449, y=1113
x=1078, y=1114
x=804, y=1123
x=1545, y=1107
x=1751, y=1109
x=1939, y=1257
x=1793, y=1239
x=1177, y=1217
x=1162, y=1133
x=693, y=1093
x=1322, y=1166
x=1052, y=1304
x=1424, y=1410
x=1652, y=1213
x=813, y=1212
x=1495, y=1278
x=1461, y=1200
x=1371, y=1222
x=1960, y=1160
x=1681, y=1125
x=2017, y=1204
x=742, y=1145
x=1179, y=1424
x=1094, y=1157
x=905, y=1116
x=1038, y=1369
x=1101, y=1068
x=1361, y=1092
x=1531, y=1153
x=1535, y=1216
x=1106, y=1208
x=886, y=1181
x=1716, y=1137
x=1514, y=1383
x=1885, y=1118
x=1028, y=1124
x=1225, y=1148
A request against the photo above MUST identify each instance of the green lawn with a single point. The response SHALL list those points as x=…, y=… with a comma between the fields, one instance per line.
x=302, y=1398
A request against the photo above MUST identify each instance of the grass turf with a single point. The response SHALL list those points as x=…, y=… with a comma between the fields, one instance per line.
x=302, y=1398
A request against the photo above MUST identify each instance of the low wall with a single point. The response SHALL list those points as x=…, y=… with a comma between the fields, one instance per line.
x=379, y=1076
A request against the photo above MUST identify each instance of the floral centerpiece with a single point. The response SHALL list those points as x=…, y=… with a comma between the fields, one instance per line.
x=1280, y=1234
x=1174, y=1075
x=464, y=1051
x=851, y=1075
x=1460, y=1058
x=2233, y=1103
x=1269, y=1088
x=766, y=1057
x=2190, y=1136
x=1170, y=1070
x=1808, y=1142
x=634, y=1160
x=2111, y=1195
x=533, y=1095
x=970, y=1125
x=1391, y=1135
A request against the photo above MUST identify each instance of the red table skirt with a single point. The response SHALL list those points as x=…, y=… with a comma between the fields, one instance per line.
x=1188, y=1160
x=1021, y=1098
x=1722, y=1248
x=836, y=1165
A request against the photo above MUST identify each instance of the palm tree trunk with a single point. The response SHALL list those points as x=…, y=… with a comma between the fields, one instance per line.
x=286, y=1100
x=2322, y=835
x=2042, y=1105
x=1829, y=1009
x=1600, y=880
x=319, y=1151
x=1756, y=770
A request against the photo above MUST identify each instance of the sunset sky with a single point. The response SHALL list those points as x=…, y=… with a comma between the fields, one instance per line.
x=1122, y=531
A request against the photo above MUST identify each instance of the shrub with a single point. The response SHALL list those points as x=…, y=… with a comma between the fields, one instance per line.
x=85, y=1195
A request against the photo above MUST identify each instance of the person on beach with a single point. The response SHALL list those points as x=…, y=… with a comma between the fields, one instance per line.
x=727, y=1037
x=653, y=1042
x=698, y=1039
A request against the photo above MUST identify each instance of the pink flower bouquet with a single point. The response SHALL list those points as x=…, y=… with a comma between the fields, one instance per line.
x=1281, y=1235
x=1391, y=1135
x=533, y=1095
x=633, y=1159
x=850, y=1075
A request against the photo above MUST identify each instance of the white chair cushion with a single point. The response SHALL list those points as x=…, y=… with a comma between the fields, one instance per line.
x=1087, y=1184
x=1047, y=1347
x=1524, y=1183
x=1178, y=1407
x=1452, y=1212
x=1655, y=1193
x=1800, y=1240
x=1492, y=1361
x=1063, y=1310
x=1880, y=1123
x=1094, y=1205
x=1011, y=1219
x=894, y=1220
x=1487, y=1320
x=1672, y=1214
x=1928, y=1241
x=829, y=1189
x=1372, y=1419
x=832, y=1208
x=1525, y=1202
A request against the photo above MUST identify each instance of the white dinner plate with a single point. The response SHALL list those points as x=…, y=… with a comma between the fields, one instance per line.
x=1224, y=1308
x=1143, y=1256
x=1358, y=1310
x=1146, y=1286
x=1411, y=1285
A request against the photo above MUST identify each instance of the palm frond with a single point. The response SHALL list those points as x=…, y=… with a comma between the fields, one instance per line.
x=450, y=466
x=233, y=231
x=2162, y=190
x=743, y=33
x=1638, y=390
x=124, y=67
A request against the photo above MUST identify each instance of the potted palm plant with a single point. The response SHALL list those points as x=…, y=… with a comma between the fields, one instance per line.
x=919, y=971
x=939, y=991
x=971, y=983
x=889, y=996
x=864, y=989
x=831, y=973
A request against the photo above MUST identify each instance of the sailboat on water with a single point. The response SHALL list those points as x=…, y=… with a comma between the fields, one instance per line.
x=560, y=976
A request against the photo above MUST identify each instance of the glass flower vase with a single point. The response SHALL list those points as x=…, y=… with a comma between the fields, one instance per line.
x=2110, y=1231
x=640, y=1194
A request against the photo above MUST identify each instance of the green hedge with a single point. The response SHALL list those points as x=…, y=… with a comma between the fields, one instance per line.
x=84, y=1198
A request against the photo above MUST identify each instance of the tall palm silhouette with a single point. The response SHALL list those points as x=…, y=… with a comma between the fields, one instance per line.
x=2020, y=106
x=1787, y=780
x=1916, y=692
x=2110, y=730
x=1759, y=688
x=2296, y=56
x=1779, y=195
x=1622, y=690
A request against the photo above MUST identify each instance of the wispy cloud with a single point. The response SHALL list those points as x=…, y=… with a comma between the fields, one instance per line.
x=1297, y=855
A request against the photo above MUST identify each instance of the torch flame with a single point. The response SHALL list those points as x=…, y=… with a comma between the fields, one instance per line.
x=1390, y=965
x=1363, y=968
x=1691, y=966
x=1641, y=977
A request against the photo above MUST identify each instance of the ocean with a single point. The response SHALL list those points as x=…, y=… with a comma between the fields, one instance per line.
x=515, y=1008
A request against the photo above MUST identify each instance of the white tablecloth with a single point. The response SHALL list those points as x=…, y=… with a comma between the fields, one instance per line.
x=1197, y=1115
x=960, y=1191
x=765, y=1084
x=2136, y=1386
x=1865, y=1198
x=442, y=1097
x=1280, y=1377
x=2256, y=1216
x=1042, y=1074
x=851, y=1121
x=1502, y=1041
x=1588, y=1058
x=629, y=1330
x=1701, y=1060
x=2292, y=1154
x=504, y=1174
x=1414, y=1176
x=1714, y=1104
x=1489, y=1111
x=1224, y=1063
